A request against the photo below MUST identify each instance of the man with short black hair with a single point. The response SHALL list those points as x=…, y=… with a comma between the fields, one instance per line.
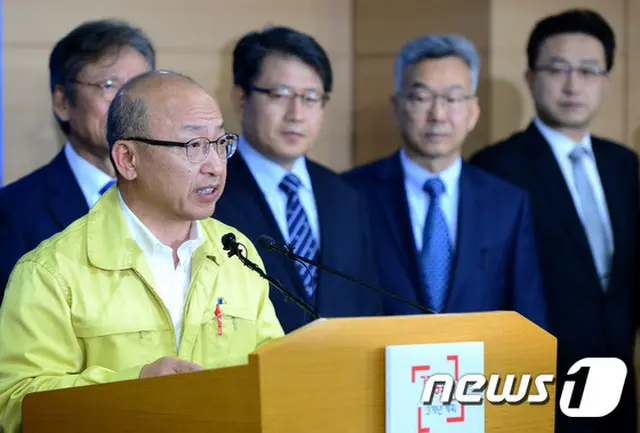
x=86, y=67
x=282, y=84
x=584, y=191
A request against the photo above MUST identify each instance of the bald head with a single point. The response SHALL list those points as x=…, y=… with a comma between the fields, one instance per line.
x=159, y=88
x=148, y=99
x=162, y=127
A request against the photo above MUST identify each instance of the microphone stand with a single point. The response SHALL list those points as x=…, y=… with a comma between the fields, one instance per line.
x=288, y=252
x=274, y=283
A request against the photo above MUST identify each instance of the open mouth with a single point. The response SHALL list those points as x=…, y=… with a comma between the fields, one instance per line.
x=208, y=191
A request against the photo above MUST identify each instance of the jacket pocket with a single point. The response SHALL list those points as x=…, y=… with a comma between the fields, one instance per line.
x=227, y=341
x=125, y=344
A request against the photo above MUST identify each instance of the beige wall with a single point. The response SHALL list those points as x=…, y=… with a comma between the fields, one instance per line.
x=195, y=37
x=500, y=29
x=362, y=36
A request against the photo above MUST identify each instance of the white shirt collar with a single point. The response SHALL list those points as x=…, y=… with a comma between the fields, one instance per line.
x=561, y=145
x=267, y=172
x=150, y=244
x=417, y=175
x=90, y=178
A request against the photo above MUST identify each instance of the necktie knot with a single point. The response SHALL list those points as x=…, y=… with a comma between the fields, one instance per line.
x=578, y=153
x=434, y=187
x=290, y=184
x=106, y=186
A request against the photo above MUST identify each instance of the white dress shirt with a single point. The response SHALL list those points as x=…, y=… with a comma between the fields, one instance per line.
x=414, y=179
x=171, y=282
x=90, y=178
x=268, y=176
x=561, y=146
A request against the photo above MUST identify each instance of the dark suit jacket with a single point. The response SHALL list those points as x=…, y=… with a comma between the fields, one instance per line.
x=35, y=208
x=496, y=266
x=586, y=321
x=345, y=243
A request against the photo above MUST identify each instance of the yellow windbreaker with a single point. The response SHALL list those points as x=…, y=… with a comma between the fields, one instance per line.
x=81, y=309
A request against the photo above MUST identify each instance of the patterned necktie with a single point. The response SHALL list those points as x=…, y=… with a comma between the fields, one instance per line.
x=300, y=234
x=437, y=254
x=591, y=218
x=106, y=186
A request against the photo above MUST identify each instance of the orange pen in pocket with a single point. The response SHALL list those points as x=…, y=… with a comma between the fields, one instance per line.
x=218, y=314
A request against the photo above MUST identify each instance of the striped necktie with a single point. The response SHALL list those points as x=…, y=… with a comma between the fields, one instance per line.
x=300, y=234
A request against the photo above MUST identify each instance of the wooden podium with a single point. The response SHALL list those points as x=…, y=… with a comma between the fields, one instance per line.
x=326, y=377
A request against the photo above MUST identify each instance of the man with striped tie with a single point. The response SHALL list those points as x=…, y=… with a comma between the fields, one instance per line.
x=448, y=235
x=283, y=80
x=86, y=69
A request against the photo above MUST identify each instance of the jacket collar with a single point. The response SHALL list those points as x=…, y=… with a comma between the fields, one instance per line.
x=110, y=245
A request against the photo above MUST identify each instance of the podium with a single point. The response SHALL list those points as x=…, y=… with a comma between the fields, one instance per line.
x=326, y=377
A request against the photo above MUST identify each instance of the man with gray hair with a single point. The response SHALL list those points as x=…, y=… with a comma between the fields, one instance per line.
x=448, y=235
x=86, y=69
x=141, y=285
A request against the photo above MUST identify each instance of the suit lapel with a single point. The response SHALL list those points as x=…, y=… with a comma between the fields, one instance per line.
x=554, y=186
x=471, y=227
x=392, y=200
x=250, y=201
x=329, y=222
x=66, y=200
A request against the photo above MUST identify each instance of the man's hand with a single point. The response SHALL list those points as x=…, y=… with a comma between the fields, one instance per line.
x=167, y=365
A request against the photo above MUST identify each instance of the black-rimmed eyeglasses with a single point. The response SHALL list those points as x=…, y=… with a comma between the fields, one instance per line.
x=197, y=149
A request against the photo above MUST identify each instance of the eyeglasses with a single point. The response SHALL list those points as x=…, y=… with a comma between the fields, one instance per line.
x=284, y=94
x=423, y=101
x=109, y=88
x=565, y=70
x=197, y=149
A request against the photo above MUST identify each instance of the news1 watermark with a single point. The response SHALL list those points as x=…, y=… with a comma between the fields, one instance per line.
x=601, y=395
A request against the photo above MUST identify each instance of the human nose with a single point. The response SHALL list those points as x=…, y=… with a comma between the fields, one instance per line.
x=294, y=107
x=438, y=109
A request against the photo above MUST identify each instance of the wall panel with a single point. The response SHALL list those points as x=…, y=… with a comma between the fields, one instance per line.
x=195, y=37
x=500, y=29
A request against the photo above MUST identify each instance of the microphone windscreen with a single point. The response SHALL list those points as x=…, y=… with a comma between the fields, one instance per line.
x=228, y=240
x=265, y=241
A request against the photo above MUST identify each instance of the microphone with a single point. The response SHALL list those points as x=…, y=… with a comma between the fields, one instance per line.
x=230, y=244
x=268, y=243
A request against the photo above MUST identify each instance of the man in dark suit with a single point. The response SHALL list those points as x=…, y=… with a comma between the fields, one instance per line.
x=584, y=191
x=448, y=235
x=87, y=67
x=283, y=80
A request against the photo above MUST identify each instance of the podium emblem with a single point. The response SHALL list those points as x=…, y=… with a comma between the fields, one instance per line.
x=407, y=369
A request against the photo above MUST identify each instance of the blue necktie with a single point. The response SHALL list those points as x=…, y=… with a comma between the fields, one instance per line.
x=106, y=186
x=300, y=234
x=437, y=253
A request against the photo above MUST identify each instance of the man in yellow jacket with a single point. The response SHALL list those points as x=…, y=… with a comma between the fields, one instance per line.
x=141, y=285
